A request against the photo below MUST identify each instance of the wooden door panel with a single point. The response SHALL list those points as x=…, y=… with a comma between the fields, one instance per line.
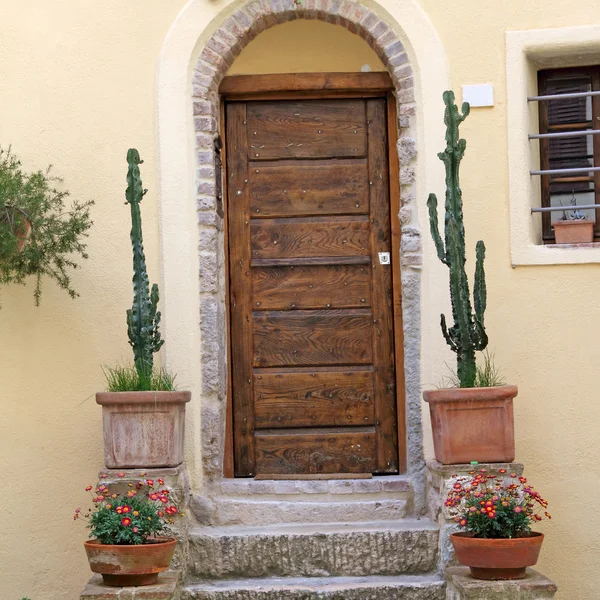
x=315, y=399
x=307, y=286
x=318, y=187
x=307, y=129
x=289, y=338
x=312, y=330
x=311, y=236
x=312, y=451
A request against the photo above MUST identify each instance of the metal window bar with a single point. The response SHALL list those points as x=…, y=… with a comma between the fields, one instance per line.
x=562, y=96
x=565, y=171
x=569, y=208
x=562, y=134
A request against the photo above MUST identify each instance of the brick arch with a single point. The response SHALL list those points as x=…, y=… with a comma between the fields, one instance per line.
x=216, y=57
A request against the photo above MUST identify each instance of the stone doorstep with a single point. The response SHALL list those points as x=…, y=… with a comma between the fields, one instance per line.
x=312, y=550
x=164, y=590
x=535, y=586
x=382, y=486
x=424, y=587
x=252, y=511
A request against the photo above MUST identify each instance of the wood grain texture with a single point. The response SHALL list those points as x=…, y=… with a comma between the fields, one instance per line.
x=329, y=337
x=319, y=187
x=383, y=328
x=307, y=129
x=314, y=452
x=304, y=286
x=310, y=236
x=311, y=399
x=305, y=82
x=240, y=289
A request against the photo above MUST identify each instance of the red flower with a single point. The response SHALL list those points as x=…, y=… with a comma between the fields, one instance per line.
x=120, y=474
x=518, y=509
x=88, y=488
x=161, y=482
x=149, y=482
x=134, y=529
x=153, y=496
x=103, y=475
x=126, y=509
x=126, y=521
x=164, y=500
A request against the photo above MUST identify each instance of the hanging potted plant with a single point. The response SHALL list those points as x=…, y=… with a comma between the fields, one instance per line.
x=126, y=548
x=40, y=235
x=143, y=415
x=575, y=228
x=474, y=419
x=496, y=512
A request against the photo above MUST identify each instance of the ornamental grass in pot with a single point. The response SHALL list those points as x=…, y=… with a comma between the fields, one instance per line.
x=496, y=512
x=127, y=547
x=473, y=419
x=143, y=414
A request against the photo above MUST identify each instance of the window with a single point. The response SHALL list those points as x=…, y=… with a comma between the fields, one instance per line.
x=569, y=146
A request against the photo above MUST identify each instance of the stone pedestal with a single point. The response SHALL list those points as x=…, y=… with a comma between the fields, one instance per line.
x=461, y=586
x=164, y=590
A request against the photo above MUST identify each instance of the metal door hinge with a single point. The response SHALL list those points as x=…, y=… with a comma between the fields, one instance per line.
x=218, y=145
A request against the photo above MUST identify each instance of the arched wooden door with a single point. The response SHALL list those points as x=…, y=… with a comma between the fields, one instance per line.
x=311, y=286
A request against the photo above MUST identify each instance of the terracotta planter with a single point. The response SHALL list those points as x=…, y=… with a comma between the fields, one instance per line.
x=143, y=429
x=472, y=424
x=130, y=565
x=574, y=232
x=497, y=559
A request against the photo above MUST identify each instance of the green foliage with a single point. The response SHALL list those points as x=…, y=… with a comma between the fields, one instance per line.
x=143, y=318
x=39, y=234
x=499, y=505
x=467, y=335
x=129, y=379
x=132, y=518
x=486, y=375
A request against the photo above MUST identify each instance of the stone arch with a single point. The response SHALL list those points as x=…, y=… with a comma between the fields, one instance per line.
x=214, y=57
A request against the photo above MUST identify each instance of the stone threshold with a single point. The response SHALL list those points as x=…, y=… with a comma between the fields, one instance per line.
x=381, y=485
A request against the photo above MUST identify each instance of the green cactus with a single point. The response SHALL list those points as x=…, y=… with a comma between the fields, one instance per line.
x=467, y=335
x=142, y=318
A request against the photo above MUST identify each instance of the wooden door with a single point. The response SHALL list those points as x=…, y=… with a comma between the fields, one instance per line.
x=312, y=332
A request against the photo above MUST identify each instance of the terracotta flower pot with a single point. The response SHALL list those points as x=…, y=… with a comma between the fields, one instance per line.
x=472, y=424
x=130, y=565
x=497, y=559
x=574, y=232
x=143, y=429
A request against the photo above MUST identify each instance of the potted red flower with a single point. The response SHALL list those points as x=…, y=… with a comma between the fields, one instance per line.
x=126, y=548
x=496, y=512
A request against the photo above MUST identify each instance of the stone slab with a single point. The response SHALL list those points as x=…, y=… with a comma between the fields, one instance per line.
x=350, y=588
x=314, y=550
x=253, y=512
x=535, y=586
x=166, y=589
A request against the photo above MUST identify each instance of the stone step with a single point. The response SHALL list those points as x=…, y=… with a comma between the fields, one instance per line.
x=329, y=588
x=314, y=550
x=252, y=512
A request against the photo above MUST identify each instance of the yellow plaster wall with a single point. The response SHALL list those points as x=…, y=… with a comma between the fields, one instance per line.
x=79, y=89
x=542, y=320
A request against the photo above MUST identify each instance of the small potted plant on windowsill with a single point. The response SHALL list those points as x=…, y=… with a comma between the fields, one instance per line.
x=126, y=548
x=143, y=414
x=468, y=422
x=496, y=511
x=575, y=228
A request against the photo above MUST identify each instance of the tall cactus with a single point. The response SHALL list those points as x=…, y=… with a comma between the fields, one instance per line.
x=142, y=318
x=467, y=335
